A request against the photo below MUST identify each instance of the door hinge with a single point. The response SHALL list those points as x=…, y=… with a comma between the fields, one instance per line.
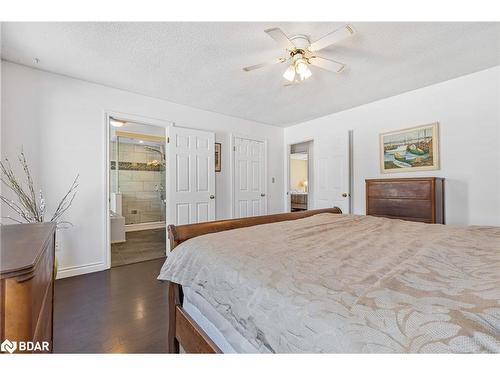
x=234, y=148
x=168, y=139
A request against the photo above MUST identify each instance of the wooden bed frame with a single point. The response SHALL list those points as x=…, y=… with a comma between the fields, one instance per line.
x=182, y=329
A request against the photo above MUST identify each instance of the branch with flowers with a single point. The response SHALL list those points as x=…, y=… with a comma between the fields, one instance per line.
x=31, y=206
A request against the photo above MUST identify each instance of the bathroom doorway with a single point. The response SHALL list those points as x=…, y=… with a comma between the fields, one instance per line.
x=137, y=191
x=300, y=176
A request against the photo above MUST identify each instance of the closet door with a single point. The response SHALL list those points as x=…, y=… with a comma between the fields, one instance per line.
x=249, y=184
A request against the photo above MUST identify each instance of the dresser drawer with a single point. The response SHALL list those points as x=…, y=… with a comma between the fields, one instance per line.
x=403, y=190
x=299, y=198
x=401, y=208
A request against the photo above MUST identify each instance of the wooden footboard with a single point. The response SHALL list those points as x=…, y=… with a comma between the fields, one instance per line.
x=182, y=329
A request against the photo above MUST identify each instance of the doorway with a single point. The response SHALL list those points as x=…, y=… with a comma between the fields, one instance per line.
x=137, y=192
x=176, y=172
x=300, y=181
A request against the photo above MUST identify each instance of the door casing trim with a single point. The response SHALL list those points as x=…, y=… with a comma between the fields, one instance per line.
x=106, y=217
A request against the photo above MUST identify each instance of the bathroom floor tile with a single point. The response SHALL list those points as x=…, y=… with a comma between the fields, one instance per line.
x=140, y=246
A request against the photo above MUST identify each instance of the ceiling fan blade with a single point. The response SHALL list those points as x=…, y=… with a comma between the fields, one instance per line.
x=258, y=66
x=279, y=36
x=333, y=37
x=327, y=64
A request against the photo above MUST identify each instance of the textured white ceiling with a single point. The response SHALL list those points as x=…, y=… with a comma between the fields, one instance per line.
x=199, y=64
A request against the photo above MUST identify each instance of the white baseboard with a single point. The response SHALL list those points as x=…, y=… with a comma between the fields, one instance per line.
x=145, y=226
x=80, y=270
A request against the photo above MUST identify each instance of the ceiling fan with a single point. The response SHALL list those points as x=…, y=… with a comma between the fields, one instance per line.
x=301, y=53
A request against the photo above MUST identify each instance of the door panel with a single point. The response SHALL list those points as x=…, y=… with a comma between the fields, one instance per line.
x=183, y=213
x=191, y=179
x=249, y=178
x=182, y=172
x=255, y=206
x=202, y=169
x=202, y=211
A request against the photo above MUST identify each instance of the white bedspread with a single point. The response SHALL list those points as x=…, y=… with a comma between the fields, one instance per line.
x=343, y=283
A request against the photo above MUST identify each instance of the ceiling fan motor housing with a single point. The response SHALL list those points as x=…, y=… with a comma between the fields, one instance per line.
x=301, y=41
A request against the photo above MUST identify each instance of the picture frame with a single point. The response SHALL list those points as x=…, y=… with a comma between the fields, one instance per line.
x=218, y=148
x=410, y=150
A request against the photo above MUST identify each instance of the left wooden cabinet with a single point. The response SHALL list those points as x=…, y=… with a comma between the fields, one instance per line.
x=27, y=286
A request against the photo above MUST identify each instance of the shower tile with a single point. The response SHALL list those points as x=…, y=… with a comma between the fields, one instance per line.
x=146, y=176
x=156, y=205
x=125, y=176
x=150, y=217
x=147, y=195
x=139, y=205
x=131, y=186
x=133, y=157
x=140, y=149
x=151, y=185
x=126, y=146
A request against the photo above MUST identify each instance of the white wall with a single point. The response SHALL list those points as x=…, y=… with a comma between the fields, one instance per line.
x=468, y=111
x=60, y=123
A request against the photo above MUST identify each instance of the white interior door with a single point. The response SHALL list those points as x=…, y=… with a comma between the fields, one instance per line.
x=190, y=176
x=332, y=179
x=249, y=185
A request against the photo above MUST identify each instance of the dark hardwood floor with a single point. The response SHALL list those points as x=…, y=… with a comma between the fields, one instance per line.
x=121, y=310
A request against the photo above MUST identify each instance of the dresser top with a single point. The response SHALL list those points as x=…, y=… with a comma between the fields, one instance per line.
x=21, y=247
x=402, y=179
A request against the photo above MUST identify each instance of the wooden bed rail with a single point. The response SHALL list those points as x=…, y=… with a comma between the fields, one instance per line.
x=181, y=327
x=180, y=233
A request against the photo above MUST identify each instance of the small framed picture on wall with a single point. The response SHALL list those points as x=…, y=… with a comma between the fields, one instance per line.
x=217, y=157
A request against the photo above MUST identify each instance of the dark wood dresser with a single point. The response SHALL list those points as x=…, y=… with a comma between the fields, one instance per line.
x=414, y=199
x=298, y=202
x=27, y=284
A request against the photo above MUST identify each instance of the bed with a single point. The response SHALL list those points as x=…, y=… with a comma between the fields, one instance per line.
x=322, y=282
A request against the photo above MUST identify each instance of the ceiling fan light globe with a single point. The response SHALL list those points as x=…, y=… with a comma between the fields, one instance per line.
x=303, y=71
x=301, y=66
x=307, y=73
x=289, y=74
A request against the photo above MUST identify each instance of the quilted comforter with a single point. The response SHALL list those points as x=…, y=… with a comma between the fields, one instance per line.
x=345, y=283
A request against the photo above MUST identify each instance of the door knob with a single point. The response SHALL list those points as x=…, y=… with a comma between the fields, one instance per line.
x=345, y=195
x=262, y=194
x=212, y=197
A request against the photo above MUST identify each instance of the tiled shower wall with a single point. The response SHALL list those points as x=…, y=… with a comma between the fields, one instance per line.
x=142, y=186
